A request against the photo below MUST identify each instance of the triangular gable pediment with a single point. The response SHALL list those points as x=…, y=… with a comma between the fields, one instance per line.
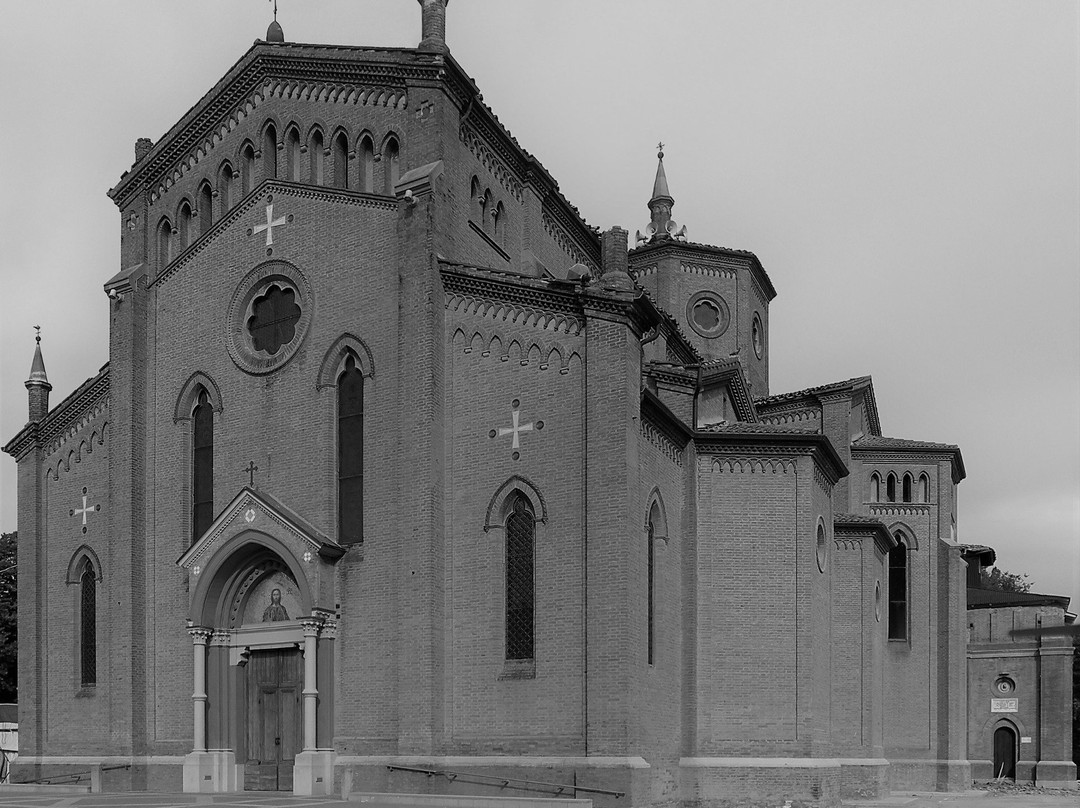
x=254, y=510
x=728, y=376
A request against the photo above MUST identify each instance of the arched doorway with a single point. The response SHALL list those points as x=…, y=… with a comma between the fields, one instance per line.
x=263, y=648
x=1004, y=753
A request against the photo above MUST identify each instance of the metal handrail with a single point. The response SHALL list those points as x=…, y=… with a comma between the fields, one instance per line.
x=505, y=781
x=75, y=776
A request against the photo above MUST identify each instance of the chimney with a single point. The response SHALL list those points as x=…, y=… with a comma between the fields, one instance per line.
x=614, y=264
x=433, y=26
x=142, y=148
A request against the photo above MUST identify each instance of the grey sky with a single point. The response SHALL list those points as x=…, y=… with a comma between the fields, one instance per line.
x=908, y=173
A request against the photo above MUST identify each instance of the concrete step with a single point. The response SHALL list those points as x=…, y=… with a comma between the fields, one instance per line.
x=43, y=788
x=375, y=800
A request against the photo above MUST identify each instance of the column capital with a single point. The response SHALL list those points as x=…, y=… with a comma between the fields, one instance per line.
x=200, y=635
x=311, y=626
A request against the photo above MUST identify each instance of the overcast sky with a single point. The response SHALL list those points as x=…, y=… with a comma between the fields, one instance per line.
x=908, y=174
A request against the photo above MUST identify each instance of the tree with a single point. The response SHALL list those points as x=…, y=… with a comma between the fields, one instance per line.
x=9, y=623
x=1002, y=581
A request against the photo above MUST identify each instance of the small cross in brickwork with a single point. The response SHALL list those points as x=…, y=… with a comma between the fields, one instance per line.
x=85, y=510
x=251, y=469
x=271, y=223
x=515, y=430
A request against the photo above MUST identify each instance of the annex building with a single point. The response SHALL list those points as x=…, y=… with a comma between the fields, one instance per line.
x=398, y=463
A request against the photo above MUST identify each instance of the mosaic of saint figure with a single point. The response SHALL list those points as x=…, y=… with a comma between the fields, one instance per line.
x=275, y=611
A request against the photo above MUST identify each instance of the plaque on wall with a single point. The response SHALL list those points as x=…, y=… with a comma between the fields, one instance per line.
x=1004, y=705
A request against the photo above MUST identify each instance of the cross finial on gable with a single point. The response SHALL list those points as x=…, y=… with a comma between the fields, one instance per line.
x=251, y=469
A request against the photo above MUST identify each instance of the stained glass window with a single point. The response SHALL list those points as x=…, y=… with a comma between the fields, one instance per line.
x=520, y=587
x=351, y=454
x=202, y=475
x=88, y=627
x=273, y=320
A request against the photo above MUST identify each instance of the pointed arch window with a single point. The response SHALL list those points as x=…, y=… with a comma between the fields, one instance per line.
x=367, y=165
x=247, y=167
x=87, y=625
x=898, y=590
x=924, y=488
x=164, y=243
x=890, y=487
x=185, y=224
x=350, y=454
x=907, y=486
x=654, y=519
x=316, y=158
x=390, y=158
x=498, y=223
x=206, y=208
x=520, y=585
x=292, y=154
x=476, y=203
x=224, y=187
x=202, y=466
x=485, y=206
x=875, y=487
x=269, y=152
x=341, y=161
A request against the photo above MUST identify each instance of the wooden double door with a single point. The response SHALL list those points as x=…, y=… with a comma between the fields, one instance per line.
x=274, y=718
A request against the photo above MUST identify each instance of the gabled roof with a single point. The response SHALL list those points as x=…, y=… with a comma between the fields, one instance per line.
x=992, y=598
x=345, y=74
x=813, y=395
x=247, y=505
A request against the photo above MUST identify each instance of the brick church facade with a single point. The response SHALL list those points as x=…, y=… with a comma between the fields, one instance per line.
x=397, y=462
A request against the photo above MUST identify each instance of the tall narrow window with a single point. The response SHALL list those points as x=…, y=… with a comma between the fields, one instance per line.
x=341, y=161
x=88, y=626
x=202, y=476
x=164, y=243
x=224, y=187
x=206, y=208
x=907, y=488
x=497, y=221
x=350, y=454
x=924, y=488
x=890, y=487
x=653, y=519
x=367, y=165
x=247, y=167
x=185, y=223
x=292, y=154
x=390, y=163
x=875, y=487
x=898, y=591
x=485, y=206
x=269, y=153
x=520, y=587
x=316, y=158
x=475, y=201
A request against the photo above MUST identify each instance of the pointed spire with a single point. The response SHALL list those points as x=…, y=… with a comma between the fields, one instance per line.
x=37, y=385
x=274, y=32
x=659, y=188
x=662, y=226
x=37, y=367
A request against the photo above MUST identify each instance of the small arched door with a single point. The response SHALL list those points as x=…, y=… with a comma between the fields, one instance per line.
x=1004, y=753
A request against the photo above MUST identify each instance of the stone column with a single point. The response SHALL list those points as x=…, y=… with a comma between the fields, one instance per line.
x=311, y=691
x=200, y=637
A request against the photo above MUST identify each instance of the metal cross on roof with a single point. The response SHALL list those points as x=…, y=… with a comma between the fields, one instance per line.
x=251, y=469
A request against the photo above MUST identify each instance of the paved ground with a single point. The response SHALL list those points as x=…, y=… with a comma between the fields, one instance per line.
x=1012, y=798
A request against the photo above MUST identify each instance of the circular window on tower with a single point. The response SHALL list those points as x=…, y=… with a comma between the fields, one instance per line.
x=822, y=546
x=757, y=337
x=1004, y=685
x=268, y=317
x=708, y=314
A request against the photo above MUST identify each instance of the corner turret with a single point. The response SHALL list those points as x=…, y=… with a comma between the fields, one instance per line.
x=38, y=385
